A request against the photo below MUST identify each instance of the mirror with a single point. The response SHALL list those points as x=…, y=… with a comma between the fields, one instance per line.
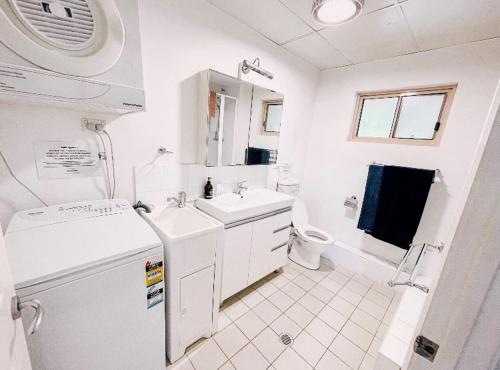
x=265, y=124
x=239, y=122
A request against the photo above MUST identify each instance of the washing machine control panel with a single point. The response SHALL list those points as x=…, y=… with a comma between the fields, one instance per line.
x=91, y=208
x=69, y=212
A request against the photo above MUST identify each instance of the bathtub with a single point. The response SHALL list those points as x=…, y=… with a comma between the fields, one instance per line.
x=363, y=263
x=397, y=345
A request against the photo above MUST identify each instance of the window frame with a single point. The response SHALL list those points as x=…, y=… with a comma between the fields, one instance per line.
x=448, y=90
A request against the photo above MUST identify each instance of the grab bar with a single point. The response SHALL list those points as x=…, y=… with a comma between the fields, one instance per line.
x=423, y=247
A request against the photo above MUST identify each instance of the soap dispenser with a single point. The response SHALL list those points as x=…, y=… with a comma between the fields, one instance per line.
x=209, y=189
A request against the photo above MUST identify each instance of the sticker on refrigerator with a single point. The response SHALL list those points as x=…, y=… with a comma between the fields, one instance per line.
x=154, y=272
x=154, y=295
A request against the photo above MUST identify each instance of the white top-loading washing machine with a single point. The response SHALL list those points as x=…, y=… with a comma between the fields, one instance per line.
x=97, y=270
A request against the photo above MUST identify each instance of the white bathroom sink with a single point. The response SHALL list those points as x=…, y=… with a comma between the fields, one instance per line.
x=179, y=223
x=232, y=207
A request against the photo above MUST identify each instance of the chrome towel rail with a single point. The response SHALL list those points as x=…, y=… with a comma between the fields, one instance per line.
x=437, y=174
x=410, y=282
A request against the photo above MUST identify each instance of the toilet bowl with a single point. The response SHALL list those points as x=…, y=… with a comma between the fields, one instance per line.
x=308, y=242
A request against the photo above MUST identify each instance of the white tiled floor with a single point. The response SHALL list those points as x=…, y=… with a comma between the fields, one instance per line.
x=336, y=318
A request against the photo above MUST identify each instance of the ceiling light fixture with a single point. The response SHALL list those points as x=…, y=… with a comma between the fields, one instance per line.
x=331, y=12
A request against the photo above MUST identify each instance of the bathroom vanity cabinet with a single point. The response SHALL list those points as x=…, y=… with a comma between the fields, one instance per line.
x=256, y=235
x=193, y=244
x=191, y=283
x=253, y=249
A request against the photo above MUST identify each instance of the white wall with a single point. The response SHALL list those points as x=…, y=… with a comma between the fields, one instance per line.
x=337, y=168
x=179, y=39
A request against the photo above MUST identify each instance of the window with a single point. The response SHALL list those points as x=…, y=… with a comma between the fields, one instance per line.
x=414, y=116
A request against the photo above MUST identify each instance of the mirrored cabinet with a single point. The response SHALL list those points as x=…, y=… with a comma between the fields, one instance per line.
x=239, y=122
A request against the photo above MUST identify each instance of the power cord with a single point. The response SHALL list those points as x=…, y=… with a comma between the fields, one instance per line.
x=112, y=162
x=105, y=161
x=19, y=181
x=98, y=127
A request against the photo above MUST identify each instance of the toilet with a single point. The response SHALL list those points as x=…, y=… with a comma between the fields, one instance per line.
x=308, y=242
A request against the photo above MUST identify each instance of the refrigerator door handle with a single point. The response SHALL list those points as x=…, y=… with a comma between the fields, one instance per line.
x=17, y=306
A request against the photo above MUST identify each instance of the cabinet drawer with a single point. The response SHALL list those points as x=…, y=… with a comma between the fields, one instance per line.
x=281, y=237
x=282, y=220
x=278, y=256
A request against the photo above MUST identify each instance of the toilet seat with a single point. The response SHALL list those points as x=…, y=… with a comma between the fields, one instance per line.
x=314, y=235
x=309, y=241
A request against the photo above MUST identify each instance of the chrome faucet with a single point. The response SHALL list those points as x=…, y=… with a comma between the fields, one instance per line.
x=181, y=201
x=240, y=187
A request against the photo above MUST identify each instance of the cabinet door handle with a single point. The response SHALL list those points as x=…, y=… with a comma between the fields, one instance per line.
x=279, y=246
x=281, y=229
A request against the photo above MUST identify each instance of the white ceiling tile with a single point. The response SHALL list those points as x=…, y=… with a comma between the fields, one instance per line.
x=440, y=23
x=372, y=5
x=303, y=9
x=378, y=35
x=381, y=32
x=317, y=51
x=269, y=17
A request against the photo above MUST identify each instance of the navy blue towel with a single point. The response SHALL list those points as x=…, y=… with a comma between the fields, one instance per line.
x=370, y=202
x=394, y=201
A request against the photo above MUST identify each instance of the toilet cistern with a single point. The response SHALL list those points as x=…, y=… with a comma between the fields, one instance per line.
x=308, y=242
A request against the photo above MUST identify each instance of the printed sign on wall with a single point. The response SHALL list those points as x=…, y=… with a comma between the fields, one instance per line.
x=62, y=160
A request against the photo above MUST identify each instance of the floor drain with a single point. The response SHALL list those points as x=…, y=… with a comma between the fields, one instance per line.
x=285, y=339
